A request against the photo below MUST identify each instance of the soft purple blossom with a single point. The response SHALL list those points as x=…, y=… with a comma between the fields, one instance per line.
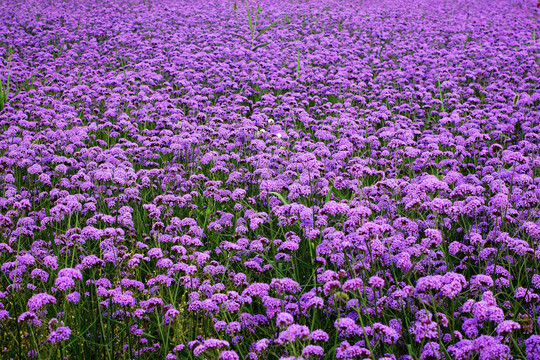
x=61, y=333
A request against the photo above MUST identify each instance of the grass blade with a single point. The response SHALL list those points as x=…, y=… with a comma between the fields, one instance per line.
x=239, y=36
x=298, y=66
x=281, y=197
x=329, y=193
x=1, y=96
x=4, y=92
x=266, y=29
x=467, y=41
x=250, y=21
x=261, y=45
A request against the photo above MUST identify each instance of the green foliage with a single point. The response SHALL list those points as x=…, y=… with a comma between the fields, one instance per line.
x=255, y=34
x=5, y=88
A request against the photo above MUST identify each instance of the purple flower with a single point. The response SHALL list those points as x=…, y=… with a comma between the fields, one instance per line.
x=319, y=335
x=507, y=327
x=347, y=351
x=155, y=253
x=233, y=327
x=293, y=333
x=30, y=317
x=347, y=326
x=261, y=345
x=37, y=301
x=283, y=320
x=490, y=348
x=353, y=284
x=462, y=350
x=310, y=350
x=35, y=169
x=229, y=355
x=91, y=261
x=532, y=346
x=388, y=334
x=26, y=259
x=74, y=297
x=41, y=274
x=51, y=262
x=61, y=333
x=123, y=298
x=431, y=351
x=376, y=281
x=178, y=348
x=64, y=283
x=481, y=311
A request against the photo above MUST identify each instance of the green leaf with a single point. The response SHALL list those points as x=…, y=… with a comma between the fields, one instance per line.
x=123, y=324
x=240, y=36
x=250, y=21
x=266, y=29
x=329, y=194
x=281, y=197
x=298, y=65
x=467, y=40
x=261, y=45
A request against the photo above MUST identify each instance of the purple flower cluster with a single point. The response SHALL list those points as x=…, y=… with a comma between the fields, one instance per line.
x=270, y=179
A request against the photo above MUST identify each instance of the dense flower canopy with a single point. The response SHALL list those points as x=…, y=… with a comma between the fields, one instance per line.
x=273, y=179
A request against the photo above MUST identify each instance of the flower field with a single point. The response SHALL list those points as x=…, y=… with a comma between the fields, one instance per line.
x=273, y=179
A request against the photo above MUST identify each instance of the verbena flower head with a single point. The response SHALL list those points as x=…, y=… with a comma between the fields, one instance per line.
x=61, y=333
